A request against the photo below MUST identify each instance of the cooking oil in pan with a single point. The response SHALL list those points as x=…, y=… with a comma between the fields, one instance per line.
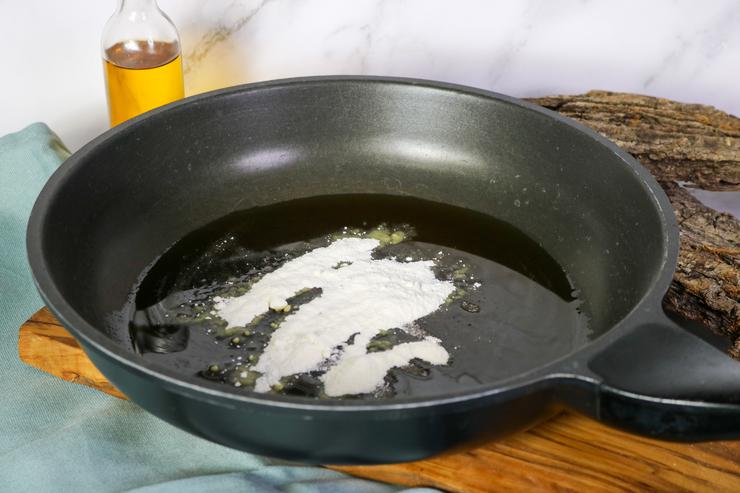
x=513, y=308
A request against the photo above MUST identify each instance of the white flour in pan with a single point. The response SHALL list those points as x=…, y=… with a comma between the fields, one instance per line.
x=360, y=297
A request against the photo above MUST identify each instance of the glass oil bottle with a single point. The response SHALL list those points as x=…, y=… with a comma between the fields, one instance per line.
x=142, y=59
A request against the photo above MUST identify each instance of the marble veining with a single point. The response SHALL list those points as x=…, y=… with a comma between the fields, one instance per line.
x=679, y=49
x=215, y=35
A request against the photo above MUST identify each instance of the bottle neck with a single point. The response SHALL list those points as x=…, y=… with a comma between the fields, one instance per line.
x=136, y=27
x=138, y=6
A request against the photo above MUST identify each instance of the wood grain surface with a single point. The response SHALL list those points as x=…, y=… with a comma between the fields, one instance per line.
x=695, y=144
x=45, y=344
x=568, y=453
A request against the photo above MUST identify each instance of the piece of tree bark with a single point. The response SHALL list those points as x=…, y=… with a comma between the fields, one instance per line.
x=675, y=141
x=690, y=143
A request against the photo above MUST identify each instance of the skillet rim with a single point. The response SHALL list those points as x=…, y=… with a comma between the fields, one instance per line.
x=643, y=311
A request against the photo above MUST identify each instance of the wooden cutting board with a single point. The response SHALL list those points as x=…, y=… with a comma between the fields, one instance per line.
x=676, y=142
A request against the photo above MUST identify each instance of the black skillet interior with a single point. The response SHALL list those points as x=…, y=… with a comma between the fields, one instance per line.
x=158, y=180
x=125, y=198
x=522, y=314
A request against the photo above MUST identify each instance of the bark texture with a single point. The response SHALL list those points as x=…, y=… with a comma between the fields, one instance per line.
x=690, y=143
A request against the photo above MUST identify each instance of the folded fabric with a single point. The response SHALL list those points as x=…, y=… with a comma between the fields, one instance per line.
x=55, y=436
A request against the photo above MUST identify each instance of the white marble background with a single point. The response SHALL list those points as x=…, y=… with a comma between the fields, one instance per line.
x=681, y=49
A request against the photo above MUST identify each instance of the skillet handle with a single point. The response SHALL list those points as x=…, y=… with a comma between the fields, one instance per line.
x=662, y=381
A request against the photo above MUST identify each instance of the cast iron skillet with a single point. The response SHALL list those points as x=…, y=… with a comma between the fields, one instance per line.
x=125, y=197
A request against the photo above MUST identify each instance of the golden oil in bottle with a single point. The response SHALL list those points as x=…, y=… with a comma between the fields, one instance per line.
x=141, y=56
x=141, y=76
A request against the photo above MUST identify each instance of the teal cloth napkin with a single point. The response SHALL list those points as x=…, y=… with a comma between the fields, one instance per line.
x=56, y=436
